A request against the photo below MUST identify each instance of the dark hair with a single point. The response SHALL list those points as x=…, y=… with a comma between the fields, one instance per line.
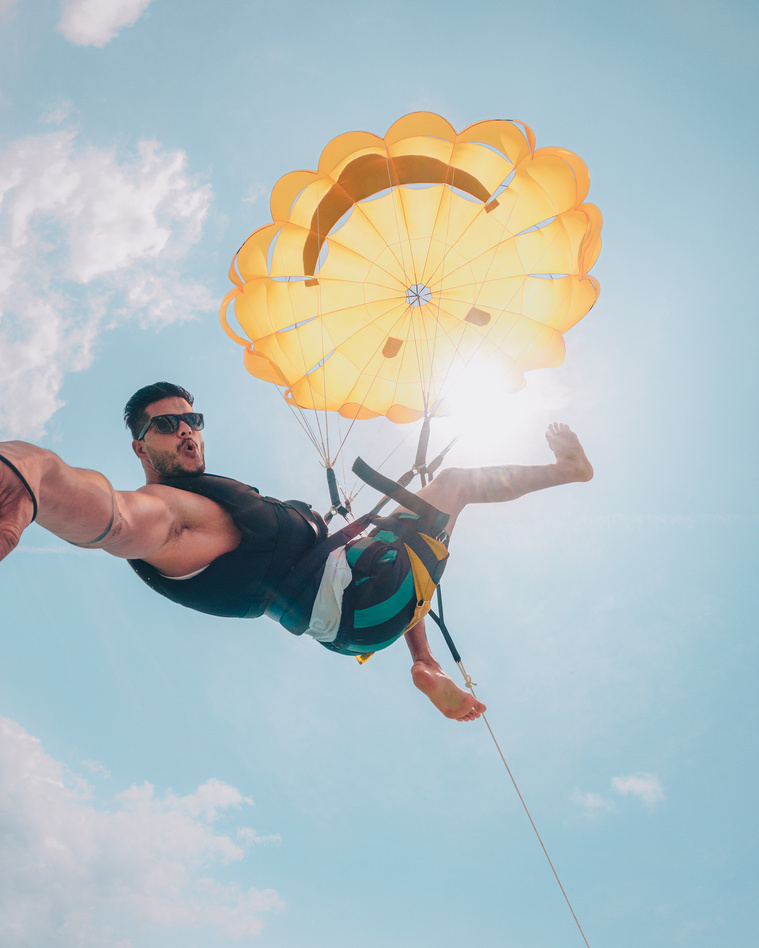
x=135, y=415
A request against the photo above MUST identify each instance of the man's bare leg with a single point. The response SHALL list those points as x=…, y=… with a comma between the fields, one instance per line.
x=450, y=492
x=429, y=678
x=454, y=488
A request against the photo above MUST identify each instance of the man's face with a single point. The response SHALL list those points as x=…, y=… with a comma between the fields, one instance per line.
x=178, y=454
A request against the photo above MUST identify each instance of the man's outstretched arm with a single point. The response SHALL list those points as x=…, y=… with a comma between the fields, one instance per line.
x=76, y=504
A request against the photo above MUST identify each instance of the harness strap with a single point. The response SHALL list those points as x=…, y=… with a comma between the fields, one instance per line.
x=285, y=531
x=338, y=506
x=289, y=589
x=432, y=518
x=23, y=480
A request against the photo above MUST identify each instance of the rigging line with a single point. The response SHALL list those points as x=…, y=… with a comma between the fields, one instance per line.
x=296, y=409
x=360, y=207
x=413, y=278
x=364, y=398
x=454, y=342
x=485, y=335
x=476, y=218
x=505, y=224
x=470, y=685
x=395, y=200
x=344, y=438
x=419, y=350
x=379, y=428
x=352, y=491
x=320, y=311
x=368, y=392
x=382, y=427
x=362, y=485
x=444, y=190
x=478, y=286
x=376, y=378
x=341, y=441
x=334, y=240
x=440, y=331
x=446, y=194
x=383, y=270
x=395, y=192
x=404, y=239
x=546, y=250
x=439, y=619
x=426, y=343
x=397, y=196
x=298, y=414
x=314, y=436
x=322, y=445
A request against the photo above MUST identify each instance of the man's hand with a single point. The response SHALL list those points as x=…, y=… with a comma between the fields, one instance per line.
x=16, y=509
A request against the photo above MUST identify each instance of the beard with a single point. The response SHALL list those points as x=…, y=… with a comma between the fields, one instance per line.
x=177, y=463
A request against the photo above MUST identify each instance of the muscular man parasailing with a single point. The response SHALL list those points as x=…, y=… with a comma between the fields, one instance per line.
x=216, y=545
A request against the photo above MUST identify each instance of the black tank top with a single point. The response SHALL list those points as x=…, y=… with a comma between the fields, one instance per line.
x=275, y=536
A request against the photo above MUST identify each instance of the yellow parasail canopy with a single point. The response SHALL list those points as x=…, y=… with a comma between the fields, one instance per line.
x=400, y=260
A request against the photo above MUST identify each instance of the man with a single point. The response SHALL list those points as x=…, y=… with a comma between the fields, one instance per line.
x=216, y=545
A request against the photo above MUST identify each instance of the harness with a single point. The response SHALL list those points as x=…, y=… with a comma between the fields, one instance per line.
x=365, y=617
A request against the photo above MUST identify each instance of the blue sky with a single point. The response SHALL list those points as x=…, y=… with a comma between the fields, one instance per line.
x=171, y=779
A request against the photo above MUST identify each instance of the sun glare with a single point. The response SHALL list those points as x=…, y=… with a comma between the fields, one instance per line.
x=496, y=427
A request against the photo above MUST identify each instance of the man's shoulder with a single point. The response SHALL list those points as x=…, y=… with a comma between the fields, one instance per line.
x=177, y=496
x=165, y=491
x=191, y=493
x=204, y=481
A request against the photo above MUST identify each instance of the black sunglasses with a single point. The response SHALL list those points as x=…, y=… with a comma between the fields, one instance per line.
x=165, y=424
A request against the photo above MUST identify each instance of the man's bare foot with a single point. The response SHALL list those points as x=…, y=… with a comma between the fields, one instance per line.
x=444, y=693
x=570, y=456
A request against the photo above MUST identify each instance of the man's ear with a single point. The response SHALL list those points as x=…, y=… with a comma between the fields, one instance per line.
x=139, y=449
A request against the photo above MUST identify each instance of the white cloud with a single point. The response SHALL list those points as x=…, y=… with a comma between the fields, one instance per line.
x=84, y=234
x=95, y=767
x=254, y=193
x=645, y=786
x=73, y=875
x=252, y=837
x=57, y=113
x=97, y=22
x=592, y=803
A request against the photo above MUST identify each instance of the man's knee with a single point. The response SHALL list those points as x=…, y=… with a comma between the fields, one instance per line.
x=453, y=482
x=450, y=476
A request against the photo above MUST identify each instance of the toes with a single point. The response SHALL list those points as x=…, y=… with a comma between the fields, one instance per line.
x=471, y=715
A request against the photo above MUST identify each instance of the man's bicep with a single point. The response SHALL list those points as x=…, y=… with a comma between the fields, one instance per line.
x=142, y=524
